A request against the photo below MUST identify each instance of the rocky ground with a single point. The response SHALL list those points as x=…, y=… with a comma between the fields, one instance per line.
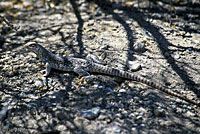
x=169, y=55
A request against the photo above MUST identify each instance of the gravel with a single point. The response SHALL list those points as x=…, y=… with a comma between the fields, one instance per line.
x=62, y=103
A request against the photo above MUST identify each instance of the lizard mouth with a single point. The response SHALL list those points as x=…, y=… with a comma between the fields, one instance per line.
x=27, y=45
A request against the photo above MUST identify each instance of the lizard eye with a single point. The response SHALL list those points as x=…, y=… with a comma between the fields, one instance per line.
x=30, y=45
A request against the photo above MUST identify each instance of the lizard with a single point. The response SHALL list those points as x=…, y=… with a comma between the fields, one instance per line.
x=83, y=67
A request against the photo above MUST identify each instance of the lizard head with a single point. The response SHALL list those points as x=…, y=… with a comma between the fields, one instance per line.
x=34, y=47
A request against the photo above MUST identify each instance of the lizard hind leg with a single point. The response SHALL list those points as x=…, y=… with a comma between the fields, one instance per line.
x=80, y=71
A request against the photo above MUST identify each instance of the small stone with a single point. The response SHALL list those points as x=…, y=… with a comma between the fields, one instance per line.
x=117, y=129
x=56, y=17
x=141, y=111
x=119, y=95
x=189, y=49
x=89, y=79
x=131, y=84
x=60, y=128
x=96, y=85
x=27, y=3
x=148, y=35
x=139, y=46
x=177, y=56
x=157, y=15
x=101, y=87
x=122, y=91
x=134, y=130
x=142, y=125
x=43, y=115
x=82, y=88
x=133, y=66
x=188, y=35
x=136, y=113
x=132, y=115
x=22, y=94
x=38, y=4
x=45, y=33
x=135, y=124
x=91, y=113
x=139, y=117
x=38, y=83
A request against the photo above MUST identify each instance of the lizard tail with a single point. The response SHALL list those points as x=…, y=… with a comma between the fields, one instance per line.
x=124, y=74
x=161, y=88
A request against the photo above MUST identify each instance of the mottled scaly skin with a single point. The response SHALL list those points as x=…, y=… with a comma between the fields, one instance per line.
x=83, y=66
x=124, y=74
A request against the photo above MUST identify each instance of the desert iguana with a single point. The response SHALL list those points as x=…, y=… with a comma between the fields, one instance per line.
x=83, y=66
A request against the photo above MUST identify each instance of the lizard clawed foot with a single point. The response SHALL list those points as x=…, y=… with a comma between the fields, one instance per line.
x=41, y=75
x=44, y=73
x=80, y=81
x=85, y=80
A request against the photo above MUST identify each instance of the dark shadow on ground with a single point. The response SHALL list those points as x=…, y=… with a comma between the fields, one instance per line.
x=80, y=26
x=107, y=8
x=163, y=43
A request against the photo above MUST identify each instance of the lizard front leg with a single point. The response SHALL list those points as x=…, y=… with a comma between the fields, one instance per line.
x=47, y=70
